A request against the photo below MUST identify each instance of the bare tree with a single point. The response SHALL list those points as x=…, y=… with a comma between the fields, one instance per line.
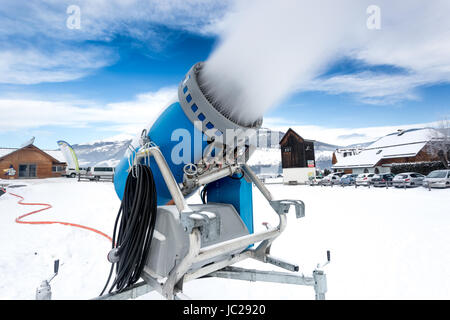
x=441, y=141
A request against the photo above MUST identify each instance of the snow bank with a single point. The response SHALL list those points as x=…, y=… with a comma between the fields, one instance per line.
x=27, y=252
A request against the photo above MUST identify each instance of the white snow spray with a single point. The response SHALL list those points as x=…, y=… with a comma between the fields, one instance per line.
x=269, y=48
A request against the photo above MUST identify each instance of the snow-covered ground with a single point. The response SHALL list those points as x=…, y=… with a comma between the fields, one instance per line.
x=385, y=244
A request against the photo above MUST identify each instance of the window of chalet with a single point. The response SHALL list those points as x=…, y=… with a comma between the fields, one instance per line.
x=287, y=149
x=58, y=169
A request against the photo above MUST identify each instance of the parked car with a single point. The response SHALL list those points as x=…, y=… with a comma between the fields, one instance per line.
x=348, y=179
x=437, y=179
x=332, y=178
x=408, y=179
x=364, y=179
x=381, y=180
x=96, y=173
x=72, y=172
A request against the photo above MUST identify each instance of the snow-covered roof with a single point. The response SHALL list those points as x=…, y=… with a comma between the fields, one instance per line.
x=406, y=137
x=343, y=153
x=407, y=143
x=6, y=151
x=57, y=154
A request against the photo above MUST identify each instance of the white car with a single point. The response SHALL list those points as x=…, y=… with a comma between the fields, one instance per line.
x=97, y=173
x=72, y=172
x=437, y=179
x=364, y=179
x=332, y=178
x=408, y=179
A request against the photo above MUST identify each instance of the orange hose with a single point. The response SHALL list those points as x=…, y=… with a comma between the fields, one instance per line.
x=46, y=207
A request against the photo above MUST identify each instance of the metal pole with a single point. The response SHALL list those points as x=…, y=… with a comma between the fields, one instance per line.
x=237, y=243
x=172, y=185
x=132, y=292
x=257, y=182
x=216, y=175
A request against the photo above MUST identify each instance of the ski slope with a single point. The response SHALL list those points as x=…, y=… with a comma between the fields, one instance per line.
x=385, y=244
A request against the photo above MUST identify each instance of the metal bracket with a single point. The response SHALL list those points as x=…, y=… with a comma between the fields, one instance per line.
x=318, y=280
x=282, y=263
x=283, y=206
x=207, y=222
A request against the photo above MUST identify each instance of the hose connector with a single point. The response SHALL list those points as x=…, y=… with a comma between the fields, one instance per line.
x=113, y=255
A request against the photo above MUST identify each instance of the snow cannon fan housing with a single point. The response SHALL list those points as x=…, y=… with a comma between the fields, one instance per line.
x=192, y=122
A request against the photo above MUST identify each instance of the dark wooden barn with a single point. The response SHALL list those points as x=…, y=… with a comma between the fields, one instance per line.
x=296, y=152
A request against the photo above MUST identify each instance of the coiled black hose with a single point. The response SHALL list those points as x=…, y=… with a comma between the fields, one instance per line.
x=137, y=216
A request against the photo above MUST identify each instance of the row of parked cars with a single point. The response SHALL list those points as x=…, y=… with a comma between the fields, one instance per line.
x=436, y=179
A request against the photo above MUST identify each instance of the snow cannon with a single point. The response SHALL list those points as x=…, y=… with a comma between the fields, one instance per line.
x=184, y=131
x=193, y=145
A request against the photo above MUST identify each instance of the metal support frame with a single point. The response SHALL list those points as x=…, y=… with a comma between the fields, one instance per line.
x=172, y=286
x=318, y=280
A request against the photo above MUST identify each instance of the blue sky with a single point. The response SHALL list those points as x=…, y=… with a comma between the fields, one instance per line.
x=104, y=79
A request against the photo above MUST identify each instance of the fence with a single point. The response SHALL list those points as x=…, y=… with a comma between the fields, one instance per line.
x=386, y=184
x=97, y=178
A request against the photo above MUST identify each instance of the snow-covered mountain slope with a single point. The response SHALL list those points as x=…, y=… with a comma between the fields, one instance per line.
x=101, y=153
x=110, y=151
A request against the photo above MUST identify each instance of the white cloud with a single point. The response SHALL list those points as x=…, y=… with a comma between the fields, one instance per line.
x=372, y=88
x=272, y=48
x=341, y=136
x=36, y=45
x=414, y=37
x=31, y=66
x=102, y=19
x=126, y=117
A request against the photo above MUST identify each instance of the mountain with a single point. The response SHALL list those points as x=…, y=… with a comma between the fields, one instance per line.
x=101, y=153
x=267, y=157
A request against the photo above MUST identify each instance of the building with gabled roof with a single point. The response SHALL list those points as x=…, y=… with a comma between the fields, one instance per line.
x=29, y=161
x=403, y=146
x=297, y=158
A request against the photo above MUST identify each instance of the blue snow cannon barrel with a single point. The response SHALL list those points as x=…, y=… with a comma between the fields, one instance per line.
x=196, y=119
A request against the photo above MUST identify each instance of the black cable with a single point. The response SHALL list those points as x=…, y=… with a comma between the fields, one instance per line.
x=137, y=215
x=203, y=194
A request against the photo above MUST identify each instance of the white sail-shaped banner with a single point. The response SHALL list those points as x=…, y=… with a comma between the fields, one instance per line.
x=69, y=155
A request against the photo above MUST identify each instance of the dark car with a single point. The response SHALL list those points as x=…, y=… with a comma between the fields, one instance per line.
x=348, y=179
x=380, y=180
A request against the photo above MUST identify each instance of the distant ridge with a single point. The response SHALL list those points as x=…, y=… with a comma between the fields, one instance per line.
x=109, y=152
